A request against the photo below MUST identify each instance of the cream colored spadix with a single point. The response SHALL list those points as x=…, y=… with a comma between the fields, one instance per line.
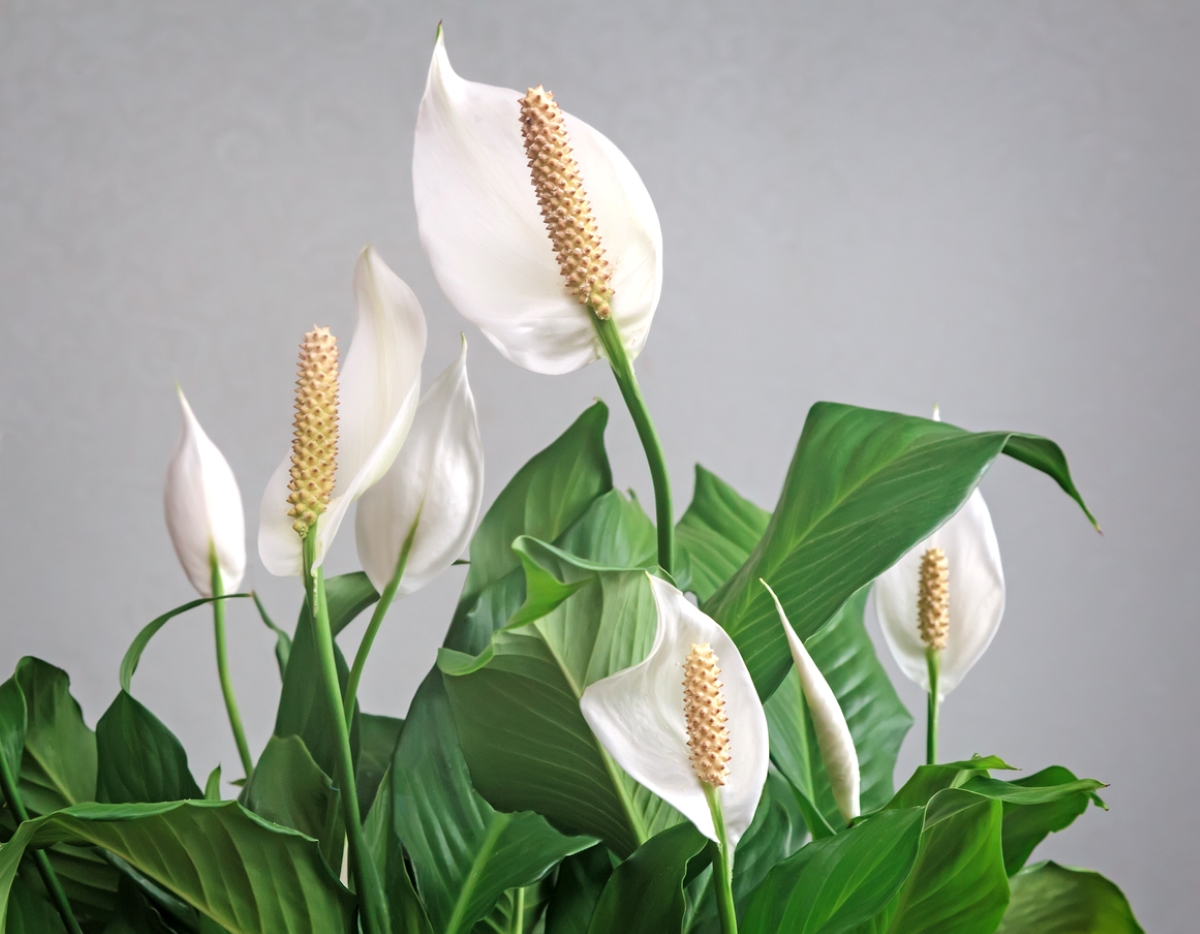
x=378, y=389
x=639, y=717
x=834, y=741
x=486, y=234
x=204, y=508
x=436, y=483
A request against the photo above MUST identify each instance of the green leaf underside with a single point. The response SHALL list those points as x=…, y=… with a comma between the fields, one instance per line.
x=138, y=758
x=248, y=875
x=715, y=535
x=1051, y=899
x=863, y=488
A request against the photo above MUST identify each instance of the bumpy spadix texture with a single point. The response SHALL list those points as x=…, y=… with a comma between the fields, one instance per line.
x=563, y=201
x=314, y=435
x=704, y=710
x=933, y=598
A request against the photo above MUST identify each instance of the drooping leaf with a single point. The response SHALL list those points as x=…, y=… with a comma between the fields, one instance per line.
x=581, y=880
x=715, y=535
x=1051, y=899
x=927, y=780
x=138, y=758
x=283, y=642
x=863, y=488
x=378, y=737
x=133, y=654
x=59, y=765
x=1026, y=824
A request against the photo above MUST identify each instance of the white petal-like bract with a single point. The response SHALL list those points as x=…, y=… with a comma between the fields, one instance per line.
x=204, y=508
x=436, y=481
x=638, y=716
x=379, y=385
x=482, y=228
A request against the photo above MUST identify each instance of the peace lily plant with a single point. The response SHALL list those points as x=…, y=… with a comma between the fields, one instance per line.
x=669, y=725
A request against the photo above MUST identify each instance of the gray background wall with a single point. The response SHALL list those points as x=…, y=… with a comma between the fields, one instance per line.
x=992, y=206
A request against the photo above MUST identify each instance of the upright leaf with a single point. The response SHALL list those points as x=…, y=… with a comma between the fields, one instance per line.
x=378, y=737
x=715, y=535
x=59, y=765
x=138, y=758
x=1052, y=899
x=407, y=913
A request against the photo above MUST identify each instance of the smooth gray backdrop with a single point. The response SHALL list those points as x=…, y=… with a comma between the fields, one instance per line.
x=991, y=206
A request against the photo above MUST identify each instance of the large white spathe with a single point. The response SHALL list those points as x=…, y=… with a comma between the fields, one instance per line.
x=834, y=741
x=482, y=228
x=379, y=385
x=976, y=597
x=204, y=508
x=637, y=715
x=435, y=482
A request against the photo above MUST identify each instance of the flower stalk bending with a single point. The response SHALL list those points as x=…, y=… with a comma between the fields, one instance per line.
x=933, y=621
x=231, y=704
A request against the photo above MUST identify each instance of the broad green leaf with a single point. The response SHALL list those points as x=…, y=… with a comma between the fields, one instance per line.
x=464, y=853
x=408, y=915
x=1028, y=824
x=248, y=875
x=958, y=884
x=378, y=736
x=288, y=788
x=834, y=884
x=581, y=880
x=135, y=915
x=527, y=902
x=863, y=488
x=59, y=765
x=138, y=758
x=30, y=911
x=12, y=725
x=544, y=498
x=715, y=535
x=644, y=895
x=927, y=780
x=1051, y=899
x=283, y=642
x=133, y=654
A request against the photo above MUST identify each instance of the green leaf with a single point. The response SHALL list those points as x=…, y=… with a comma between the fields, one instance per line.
x=408, y=915
x=12, y=725
x=1026, y=824
x=958, y=885
x=212, y=785
x=645, y=893
x=138, y=758
x=30, y=911
x=863, y=488
x=378, y=737
x=581, y=880
x=831, y=885
x=248, y=875
x=544, y=498
x=59, y=765
x=288, y=788
x=927, y=780
x=1052, y=899
x=133, y=655
x=464, y=853
x=283, y=642
x=715, y=535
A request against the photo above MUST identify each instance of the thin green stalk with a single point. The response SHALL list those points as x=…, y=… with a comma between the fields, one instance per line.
x=372, y=902
x=381, y=608
x=622, y=368
x=12, y=794
x=518, y=926
x=231, y=705
x=722, y=860
x=933, y=659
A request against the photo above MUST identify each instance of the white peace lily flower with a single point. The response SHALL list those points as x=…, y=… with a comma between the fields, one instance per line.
x=833, y=733
x=976, y=598
x=482, y=227
x=204, y=508
x=436, y=482
x=638, y=717
x=378, y=388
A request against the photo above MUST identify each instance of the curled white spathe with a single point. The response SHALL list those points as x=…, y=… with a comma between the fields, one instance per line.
x=379, y=384
x=834, y=741
x=480, y=223
x=203, y=508
x=976, y=597
x=638, y=716
x=435, y=482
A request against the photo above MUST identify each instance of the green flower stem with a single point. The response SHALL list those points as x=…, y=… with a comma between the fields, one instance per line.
x=381, y=608
x=722, y=860
x=933, y=659
x=231, y=705
x=518, y=925
x=12, y=794
x=372, y=903
x=622, y=368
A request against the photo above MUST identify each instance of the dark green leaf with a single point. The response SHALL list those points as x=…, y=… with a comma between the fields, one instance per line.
x=59, y=765
x=408, y=915
x=862, y=489
x=30, y=911
x=715, y=535
x=12, y=725
x=645, y=893
x=138, y=758
x=134, y=654
x=581, y=879
x=1051, y=899
x=378, y=736
x=1027, y=825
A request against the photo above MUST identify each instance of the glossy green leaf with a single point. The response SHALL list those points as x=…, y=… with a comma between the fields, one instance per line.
x=715, y=535
x=1052, y=899
x=863, y=488
x=1026, y=824
x=133, y=654
x=644, y=895
x=834, y=884
x=59, y=765
x=464, y=853
x=248, y=875
x=134, y=914
x=378, y=736
x=927, y=780
x=577, y=889
x=407, y=913
x=138, y=758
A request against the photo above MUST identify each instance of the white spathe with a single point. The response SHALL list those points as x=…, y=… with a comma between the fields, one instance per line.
x=834, y=741
x=482, y=228
x=379, y=385
x=976, y=597
x=436, y=482
x=638, y=716
x=204, y=508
